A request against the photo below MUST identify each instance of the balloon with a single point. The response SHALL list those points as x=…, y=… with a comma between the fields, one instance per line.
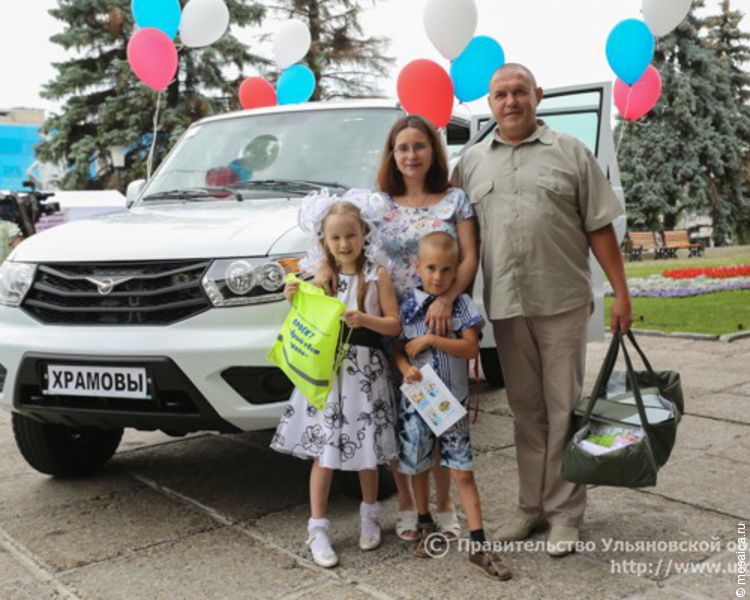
x=296, y=84
x=256, y=92
x=472, y=70
x=291, y=43
x=630, y=48
x=662, y=16
x=203, y=22
x=450, y=25
x=161, y=14
x=153, y=57
x=634, y=101
x=424, y=88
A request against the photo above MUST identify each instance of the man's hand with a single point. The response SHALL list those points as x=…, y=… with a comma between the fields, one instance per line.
x=354, y=318
x=621, y=314
x=290, y=289
x=418, y=345
x=412, y=374
x=439, y=316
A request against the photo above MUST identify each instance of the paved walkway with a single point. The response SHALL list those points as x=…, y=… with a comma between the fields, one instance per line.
x=222, y=517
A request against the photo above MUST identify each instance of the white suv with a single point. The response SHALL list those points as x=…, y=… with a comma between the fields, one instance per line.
x=161, y=317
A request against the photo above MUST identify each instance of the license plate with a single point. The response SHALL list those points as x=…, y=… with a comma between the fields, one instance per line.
x=110, y=382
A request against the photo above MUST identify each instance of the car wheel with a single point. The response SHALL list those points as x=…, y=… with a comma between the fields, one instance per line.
x=493, y=372
x=63, y=451
x=349, y=483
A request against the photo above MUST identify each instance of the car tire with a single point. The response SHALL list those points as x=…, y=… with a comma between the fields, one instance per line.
x=62, y=451
x=493, y=372
x=349, y=483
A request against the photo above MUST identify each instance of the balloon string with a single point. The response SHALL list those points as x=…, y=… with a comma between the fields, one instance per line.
x=150, y=160
x=627, y=122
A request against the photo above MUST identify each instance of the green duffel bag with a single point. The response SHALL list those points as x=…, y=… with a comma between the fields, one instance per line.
x=624, y=440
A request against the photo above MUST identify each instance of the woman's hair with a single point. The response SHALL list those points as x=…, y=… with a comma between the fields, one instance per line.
x=345, y=208
x=390, y=179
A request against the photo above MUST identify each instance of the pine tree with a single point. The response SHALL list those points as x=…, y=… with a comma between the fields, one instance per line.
x=732, y=47
x=105, y=105
x=346, y=64
x=686, y=154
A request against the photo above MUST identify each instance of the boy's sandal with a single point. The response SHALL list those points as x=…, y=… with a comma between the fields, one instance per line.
x=448, y=525
x=420, y=548
x=491, y=565
x=406, y=525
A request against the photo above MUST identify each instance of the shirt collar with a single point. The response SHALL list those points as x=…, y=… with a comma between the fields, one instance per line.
x=417, y=309
x=542, y=134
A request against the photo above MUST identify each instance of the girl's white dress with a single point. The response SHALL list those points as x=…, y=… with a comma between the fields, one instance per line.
x=356, y=429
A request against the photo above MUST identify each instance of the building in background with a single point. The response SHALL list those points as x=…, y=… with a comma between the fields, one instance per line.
x=19, y=131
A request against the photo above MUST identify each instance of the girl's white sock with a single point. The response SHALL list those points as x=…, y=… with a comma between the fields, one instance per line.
x=317, y=530
x=369, y=514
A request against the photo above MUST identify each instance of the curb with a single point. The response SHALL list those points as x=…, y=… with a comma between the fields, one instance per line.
x=702, y=337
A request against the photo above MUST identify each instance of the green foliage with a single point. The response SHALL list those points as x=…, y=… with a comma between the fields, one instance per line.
x=106, y=105
x=690, y=153
x=346, y=64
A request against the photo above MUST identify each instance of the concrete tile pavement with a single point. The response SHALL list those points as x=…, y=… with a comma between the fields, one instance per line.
x=223, y=517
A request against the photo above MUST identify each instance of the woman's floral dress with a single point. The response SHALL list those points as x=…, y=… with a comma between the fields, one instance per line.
x=403, y=226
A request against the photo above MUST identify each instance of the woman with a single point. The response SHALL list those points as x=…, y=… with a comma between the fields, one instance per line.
x=413, y=177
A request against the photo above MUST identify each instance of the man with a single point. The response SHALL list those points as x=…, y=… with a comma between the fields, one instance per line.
x=10, y=237
x=542, y=201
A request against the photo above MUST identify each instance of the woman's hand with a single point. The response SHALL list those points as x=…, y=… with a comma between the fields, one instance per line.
x=354, y=318
x=418, y=345
x=439, y=316
x=412, y=374
x=325, y=278
x=290, y=289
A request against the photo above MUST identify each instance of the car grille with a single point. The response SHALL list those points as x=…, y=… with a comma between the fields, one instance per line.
x=133, y=293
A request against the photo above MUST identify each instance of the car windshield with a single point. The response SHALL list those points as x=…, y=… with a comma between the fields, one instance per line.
x=290, y=152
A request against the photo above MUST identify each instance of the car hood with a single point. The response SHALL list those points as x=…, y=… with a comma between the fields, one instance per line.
x=212, y=229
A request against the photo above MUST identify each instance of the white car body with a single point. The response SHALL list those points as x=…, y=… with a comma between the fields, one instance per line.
x=205, y=345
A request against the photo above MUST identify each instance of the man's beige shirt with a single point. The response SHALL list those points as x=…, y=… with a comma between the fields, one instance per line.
x=535, y=202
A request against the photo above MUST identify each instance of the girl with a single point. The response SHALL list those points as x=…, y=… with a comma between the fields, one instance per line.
x=355, y=431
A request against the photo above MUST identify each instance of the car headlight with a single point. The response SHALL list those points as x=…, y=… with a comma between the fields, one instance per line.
x=15, y=280
x=243, y=281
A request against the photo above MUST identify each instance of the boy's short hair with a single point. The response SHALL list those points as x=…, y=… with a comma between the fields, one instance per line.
x=439, y=240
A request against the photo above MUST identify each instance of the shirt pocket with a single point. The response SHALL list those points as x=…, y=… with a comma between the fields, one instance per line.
x=556, y=191
x=480, y=191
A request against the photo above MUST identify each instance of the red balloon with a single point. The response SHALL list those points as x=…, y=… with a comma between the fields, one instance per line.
x=634, y=101
x=425, y=89
x=256, y=92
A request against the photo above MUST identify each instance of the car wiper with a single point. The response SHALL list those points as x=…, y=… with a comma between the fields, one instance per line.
x=195, y=193
x=288, y=184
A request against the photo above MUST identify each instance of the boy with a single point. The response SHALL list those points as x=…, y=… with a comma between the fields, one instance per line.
x=437, y=263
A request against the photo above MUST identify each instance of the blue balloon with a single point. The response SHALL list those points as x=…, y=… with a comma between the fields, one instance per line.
x=473, y=68
x=161, y=14
x=630, y=49
x=296, y=84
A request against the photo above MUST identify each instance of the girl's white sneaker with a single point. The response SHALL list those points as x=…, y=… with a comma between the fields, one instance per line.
x=369, y=528
x=320, y=546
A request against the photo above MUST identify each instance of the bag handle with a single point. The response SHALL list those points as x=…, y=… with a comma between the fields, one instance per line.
x=605, y=373
x=634, y=386
x=646, y=364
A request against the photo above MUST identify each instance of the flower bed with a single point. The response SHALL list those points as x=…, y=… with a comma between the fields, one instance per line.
x=730, y=272
x=658, y=286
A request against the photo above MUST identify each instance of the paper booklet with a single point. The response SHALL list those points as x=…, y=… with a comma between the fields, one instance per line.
x=434, y=401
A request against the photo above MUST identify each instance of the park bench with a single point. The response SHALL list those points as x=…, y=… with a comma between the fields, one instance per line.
x=679, y=240
x=641, y=242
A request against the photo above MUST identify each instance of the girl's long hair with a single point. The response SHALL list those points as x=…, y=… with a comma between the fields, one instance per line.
x=347, y=208
x=390, y=179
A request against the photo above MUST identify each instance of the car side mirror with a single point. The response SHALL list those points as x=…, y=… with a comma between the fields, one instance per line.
x=134, y=190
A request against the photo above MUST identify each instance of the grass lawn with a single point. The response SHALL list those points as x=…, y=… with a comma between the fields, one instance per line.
x=719, y=313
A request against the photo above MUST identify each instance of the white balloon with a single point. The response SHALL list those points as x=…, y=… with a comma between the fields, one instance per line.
x=203, y=22
x=291, y=43
x=450, y=25
x=662, y=16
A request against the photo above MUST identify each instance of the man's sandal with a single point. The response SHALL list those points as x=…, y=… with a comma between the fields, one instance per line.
x=406, y=525
x=491, y=565
x=423, y=530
